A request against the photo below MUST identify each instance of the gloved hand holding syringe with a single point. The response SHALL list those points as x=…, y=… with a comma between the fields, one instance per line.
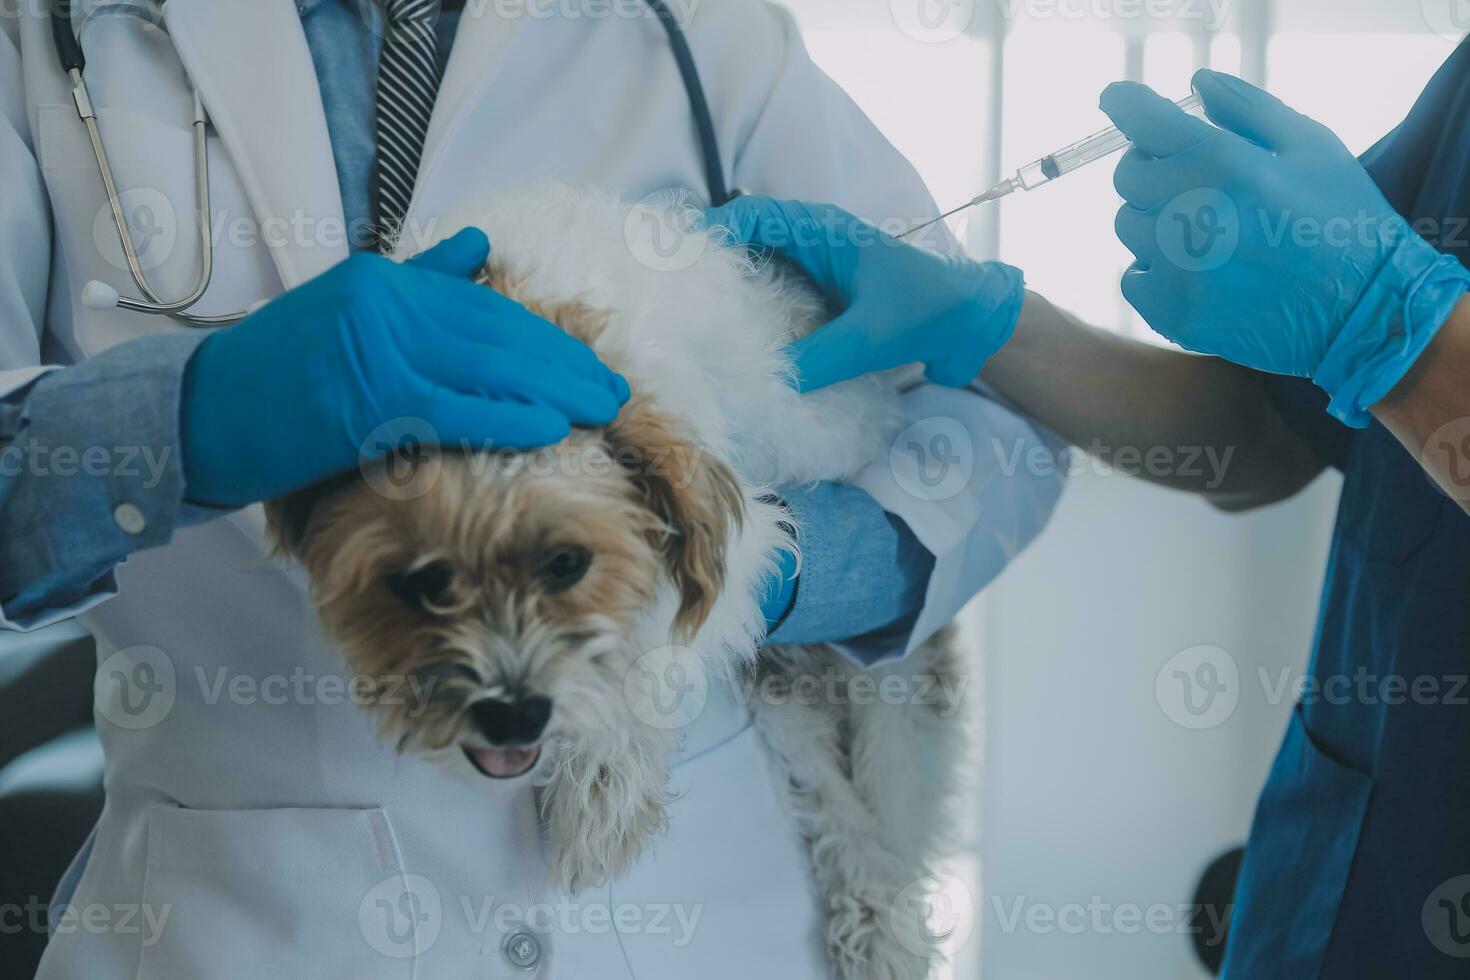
x=1053, y=165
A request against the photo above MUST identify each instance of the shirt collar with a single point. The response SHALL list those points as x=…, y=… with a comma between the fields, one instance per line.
x=304, y=7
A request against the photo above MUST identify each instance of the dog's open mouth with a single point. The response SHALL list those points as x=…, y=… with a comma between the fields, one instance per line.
x=503, y=763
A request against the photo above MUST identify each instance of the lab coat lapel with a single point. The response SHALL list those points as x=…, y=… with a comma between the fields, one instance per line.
x=476, y=58
x=250, y=62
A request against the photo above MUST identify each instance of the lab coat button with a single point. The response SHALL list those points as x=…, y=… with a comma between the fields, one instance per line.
x=523, y=950
x=129, y=518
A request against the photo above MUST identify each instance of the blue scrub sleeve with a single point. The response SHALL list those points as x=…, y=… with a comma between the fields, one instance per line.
x=1303, y=406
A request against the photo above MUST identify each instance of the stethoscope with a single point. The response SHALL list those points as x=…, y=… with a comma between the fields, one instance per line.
x=99, y=295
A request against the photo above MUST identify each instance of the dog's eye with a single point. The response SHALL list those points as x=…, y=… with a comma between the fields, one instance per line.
x=423, y=587
x=563, y=568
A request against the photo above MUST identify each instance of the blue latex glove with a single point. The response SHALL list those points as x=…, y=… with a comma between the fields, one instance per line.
x=287, y=396
x=900, y=304
x=1265, y=242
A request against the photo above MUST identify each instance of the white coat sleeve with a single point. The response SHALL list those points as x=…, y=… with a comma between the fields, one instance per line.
x=974, y=480
x=25, y=232
x=25, y=255
x=89, y=470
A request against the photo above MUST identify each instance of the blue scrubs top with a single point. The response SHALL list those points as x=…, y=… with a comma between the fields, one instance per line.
x=1358, y=863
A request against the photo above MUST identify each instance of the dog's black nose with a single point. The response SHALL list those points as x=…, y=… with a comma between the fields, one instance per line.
x=518, y=722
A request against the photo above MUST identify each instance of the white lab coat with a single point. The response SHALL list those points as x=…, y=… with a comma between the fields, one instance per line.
x=263, y=820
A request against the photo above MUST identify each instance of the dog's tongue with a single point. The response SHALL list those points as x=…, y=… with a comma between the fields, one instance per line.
x=504, y=763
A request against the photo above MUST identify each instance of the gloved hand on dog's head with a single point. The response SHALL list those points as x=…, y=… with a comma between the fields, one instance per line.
x=293, y=393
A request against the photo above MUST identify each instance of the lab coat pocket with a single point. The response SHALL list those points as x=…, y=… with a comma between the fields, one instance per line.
x=282, y=893
x=1298, y=860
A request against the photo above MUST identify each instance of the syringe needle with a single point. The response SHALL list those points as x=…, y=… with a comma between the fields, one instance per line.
x=998, y=191
x=1053, y=165
x=934, y=221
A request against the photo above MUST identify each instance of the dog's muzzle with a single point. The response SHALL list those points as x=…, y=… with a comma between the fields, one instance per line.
x=512, y=729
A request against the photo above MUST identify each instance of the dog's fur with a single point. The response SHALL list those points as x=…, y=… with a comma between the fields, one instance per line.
x=672, y=503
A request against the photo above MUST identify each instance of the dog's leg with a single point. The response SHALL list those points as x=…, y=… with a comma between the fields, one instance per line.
x=908, y=755
x=871, y=786
x=857, y=877
x=909, y=760
x=600, y=807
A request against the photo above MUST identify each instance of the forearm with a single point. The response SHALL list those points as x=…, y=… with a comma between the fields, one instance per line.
x=1429, y=410
x=863, y=572
x=1191, y=423
x=89, y=473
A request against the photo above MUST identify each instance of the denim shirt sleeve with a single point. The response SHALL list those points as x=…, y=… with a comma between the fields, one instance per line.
x=89, y=473
x=863, y=574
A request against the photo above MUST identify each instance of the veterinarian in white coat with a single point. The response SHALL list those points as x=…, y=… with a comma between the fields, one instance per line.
x=255, y=823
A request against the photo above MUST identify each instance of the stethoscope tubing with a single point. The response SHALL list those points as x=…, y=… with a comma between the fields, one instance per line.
x=69, y=52
x=99, y=295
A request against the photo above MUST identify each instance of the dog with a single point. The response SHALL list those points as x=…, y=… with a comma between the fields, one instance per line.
x=524, y=587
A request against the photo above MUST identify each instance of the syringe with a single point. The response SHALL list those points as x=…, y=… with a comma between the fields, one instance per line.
x=1054, y=165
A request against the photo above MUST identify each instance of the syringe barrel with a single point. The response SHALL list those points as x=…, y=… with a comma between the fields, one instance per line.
x=1085, y=151
x=1034, y=174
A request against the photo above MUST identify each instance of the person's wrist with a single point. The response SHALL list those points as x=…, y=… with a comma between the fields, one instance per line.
x=216, y=430
x=193, y=445
x=1000, y=292
x=1396, y=316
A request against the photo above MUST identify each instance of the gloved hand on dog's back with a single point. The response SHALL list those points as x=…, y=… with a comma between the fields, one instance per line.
x=288, y=396
x=900, y=304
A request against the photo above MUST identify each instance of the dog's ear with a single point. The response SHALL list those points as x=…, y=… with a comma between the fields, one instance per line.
x=288, y=518
x=696, y=498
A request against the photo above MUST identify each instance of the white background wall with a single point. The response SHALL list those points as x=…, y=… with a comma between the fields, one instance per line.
x=1093, y=798
x=1092, y=792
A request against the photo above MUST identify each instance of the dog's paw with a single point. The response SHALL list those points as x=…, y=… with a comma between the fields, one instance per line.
x=873, y=934
x=599, y=828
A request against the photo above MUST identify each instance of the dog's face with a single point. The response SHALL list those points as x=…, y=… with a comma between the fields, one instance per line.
x=510, y=586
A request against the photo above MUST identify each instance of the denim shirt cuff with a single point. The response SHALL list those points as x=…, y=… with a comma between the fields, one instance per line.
x=863, y=574
x=90, y=470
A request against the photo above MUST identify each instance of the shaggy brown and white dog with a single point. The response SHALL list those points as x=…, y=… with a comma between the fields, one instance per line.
x=528, y=586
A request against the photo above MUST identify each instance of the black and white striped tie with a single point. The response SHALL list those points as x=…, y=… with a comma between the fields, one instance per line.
x=408, y=78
